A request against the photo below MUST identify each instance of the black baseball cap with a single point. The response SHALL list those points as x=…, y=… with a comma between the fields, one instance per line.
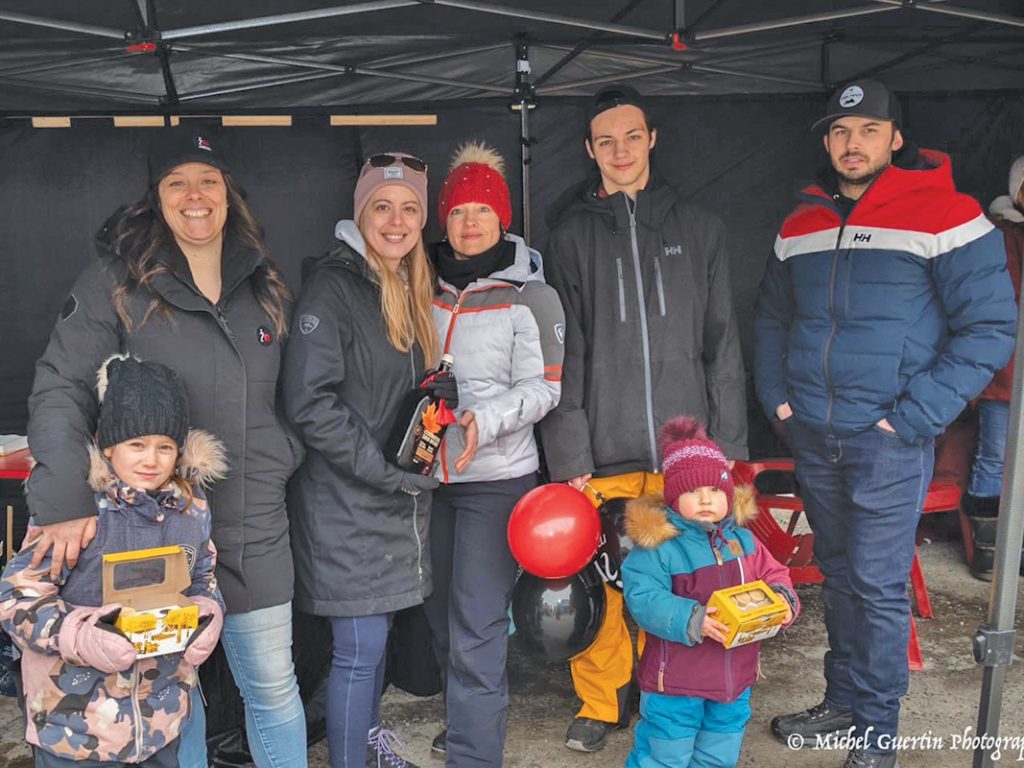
x=176, y=146
x=863, y=98
x=615, y=95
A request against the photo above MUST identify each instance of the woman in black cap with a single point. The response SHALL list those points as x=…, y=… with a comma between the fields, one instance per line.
x=184, y=279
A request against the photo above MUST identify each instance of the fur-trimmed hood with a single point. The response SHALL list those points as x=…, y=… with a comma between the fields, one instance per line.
x=650, y=522
x=1003, y=208
x=203, y=461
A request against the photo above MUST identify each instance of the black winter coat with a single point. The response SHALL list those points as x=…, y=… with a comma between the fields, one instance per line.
x=360, y=543
x=650, y=331
x=228, y=357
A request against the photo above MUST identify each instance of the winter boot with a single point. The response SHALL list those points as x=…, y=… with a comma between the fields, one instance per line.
x=380, y=750
x=983, y=517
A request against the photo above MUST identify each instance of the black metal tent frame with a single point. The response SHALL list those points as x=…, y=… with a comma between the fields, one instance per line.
x=687, y=46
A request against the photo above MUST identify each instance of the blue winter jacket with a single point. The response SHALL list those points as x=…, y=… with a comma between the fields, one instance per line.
x=903, y=311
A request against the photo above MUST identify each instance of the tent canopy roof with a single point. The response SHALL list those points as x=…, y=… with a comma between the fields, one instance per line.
x=65, y=56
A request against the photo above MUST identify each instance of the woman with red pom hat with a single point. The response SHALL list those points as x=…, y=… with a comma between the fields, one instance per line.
x=504, y=328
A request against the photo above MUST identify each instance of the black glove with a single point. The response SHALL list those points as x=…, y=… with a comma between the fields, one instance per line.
x=415, y=484
x=442, y=384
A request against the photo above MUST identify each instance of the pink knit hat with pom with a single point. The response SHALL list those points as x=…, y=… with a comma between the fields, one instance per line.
x=691, y=460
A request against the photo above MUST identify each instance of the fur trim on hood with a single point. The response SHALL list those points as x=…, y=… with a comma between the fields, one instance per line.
x=1003, y=208
x=203, y=461
x=649, y=526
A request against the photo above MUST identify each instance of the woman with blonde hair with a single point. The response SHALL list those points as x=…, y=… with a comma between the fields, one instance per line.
x=362, y=336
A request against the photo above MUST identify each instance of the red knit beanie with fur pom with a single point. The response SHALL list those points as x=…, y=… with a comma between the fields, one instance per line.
x=477, y=176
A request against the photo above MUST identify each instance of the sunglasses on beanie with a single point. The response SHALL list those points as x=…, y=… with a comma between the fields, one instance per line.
x=385, y=160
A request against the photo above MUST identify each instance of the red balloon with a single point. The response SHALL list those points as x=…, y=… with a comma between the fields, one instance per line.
x=553, y=531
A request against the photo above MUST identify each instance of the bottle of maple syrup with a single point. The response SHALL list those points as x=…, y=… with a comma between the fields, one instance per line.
x=422, y=420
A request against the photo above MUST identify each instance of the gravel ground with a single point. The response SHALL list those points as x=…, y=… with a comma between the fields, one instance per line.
x=942, y=702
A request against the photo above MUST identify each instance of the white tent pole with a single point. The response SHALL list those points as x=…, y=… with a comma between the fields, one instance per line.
x=814, y=84
x=617, y=77
x=370, y=72
x=138, y=98
x=964, y=13
x=143, y=7
x=420, y=57
x=257, y=86
x=683, y=67
x=334, y=69
x=286, y=18
x=708, y=55
x=994, y=643
x=553, y=18
x=69, y=26
x=793, y=21
x=69, y=64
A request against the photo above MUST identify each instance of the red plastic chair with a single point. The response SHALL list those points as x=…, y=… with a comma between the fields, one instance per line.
x=795, y=550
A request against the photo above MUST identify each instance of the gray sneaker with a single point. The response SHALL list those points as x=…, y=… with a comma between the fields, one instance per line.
x=380, y=751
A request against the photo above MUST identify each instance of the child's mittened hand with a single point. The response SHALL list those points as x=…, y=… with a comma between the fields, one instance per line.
x=204, y=639
x=88, y=638
x=712, y=628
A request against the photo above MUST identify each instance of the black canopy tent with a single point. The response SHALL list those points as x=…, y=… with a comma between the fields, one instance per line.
x=733, y=85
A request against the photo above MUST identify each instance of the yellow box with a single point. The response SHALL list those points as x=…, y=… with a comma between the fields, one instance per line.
x=149, y=583
x=752, y=611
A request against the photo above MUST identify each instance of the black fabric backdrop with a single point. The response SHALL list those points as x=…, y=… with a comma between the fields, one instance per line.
x=739, y=157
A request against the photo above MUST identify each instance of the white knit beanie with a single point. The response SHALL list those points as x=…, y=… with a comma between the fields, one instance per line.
x=1016, y=177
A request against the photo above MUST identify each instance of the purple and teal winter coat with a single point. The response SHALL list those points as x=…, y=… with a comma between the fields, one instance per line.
x=668, y=579
x=81, y=713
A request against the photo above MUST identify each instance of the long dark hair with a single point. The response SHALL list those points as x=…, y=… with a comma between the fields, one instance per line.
x=139, y=233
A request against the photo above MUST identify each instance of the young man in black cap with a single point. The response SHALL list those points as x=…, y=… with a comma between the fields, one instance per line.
x=885, y=309
x=650, y=333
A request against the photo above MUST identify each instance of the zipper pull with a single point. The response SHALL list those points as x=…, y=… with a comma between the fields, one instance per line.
x=718, y=554
x=223, y=321
x=661, y=678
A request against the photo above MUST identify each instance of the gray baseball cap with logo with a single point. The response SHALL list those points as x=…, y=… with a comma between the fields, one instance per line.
x=863, y=98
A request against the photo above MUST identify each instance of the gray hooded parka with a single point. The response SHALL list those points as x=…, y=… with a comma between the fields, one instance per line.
x=360, y=542
x=228, y=356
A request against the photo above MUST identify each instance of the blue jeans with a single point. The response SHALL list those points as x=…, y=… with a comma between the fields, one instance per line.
x=192, y=749
x=258, y=646
x=863, y=497
x=354, y=686
x=987, y=470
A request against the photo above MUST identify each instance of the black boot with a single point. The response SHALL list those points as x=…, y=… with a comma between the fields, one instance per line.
x=983, y=516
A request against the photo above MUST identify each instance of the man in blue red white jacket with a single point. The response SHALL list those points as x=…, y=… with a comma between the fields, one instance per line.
x=885, y=309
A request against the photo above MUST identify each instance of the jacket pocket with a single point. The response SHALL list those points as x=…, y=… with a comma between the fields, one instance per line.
x=622, y=291
x=660, y=285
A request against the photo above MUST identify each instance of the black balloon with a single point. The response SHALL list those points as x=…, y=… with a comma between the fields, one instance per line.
x=558, y=618
x=615, y=543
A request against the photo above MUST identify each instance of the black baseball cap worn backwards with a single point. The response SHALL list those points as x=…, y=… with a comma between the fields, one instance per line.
x=862, y=98
x=179, y=145
x=615, y=95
